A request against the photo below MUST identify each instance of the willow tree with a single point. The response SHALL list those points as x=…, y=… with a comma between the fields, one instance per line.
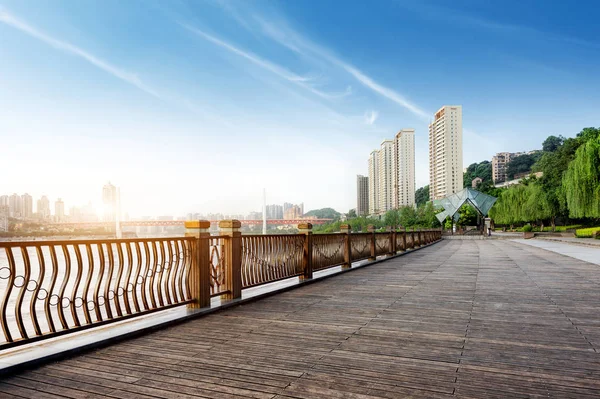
x=581, y=181
x=537, y=204
x=508, y=209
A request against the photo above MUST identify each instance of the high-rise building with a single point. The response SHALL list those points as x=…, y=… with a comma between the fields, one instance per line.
x=500, y=164
x=15, y=205
x=445, y=152
x=43, y=208
x=374, y=182
x=294, y=212
x=27, y=201
x=362, y=195
x=274, y=212
x=59, y=210
x=4, y=200
x=386, y=176
x=404, y=168
x=109, y=200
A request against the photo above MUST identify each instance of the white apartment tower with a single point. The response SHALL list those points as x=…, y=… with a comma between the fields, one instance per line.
x=362, y=195
x=404, y=168
x=374, y=182
x=445, y=152
x=386, y=176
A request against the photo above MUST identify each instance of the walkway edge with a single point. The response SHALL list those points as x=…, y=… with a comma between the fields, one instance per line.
x=75, y=350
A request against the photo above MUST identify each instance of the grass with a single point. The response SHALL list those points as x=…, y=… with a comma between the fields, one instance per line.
x=586, y=233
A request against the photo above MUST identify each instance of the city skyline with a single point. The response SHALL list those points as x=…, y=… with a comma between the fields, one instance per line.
x=240, y=96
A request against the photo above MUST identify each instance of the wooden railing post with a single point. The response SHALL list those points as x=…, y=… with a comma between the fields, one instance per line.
x=420, y=234
x=347, y=230
x=404, y=240
x=392, y=241
x=413, y=239
x=200, y=266
x=371, y=229
x=307, y=264
x=233, y=258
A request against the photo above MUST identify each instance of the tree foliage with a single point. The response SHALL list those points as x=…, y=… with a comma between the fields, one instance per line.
x=581, y=181
x=482, y=170
x=422, y=195
x=324, y=213
x=521, y=164
x=552, y=143
x=351, y=213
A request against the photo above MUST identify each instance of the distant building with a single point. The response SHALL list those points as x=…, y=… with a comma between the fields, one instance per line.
x=254, y=216
x=386, y=176
x=59, y=210
x=374, y=182
x=295, y=212
x=109, y=200
x=3, y=200
x=274, y=212
x=404, y=168
x=476, y=181
x=362, y=195
x=27, y=202
x=445, y=152
x=15, y=205
x=43, y=208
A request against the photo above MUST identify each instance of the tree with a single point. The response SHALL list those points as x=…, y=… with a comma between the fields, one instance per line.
x=351, y=213
x=391, y=218
x=537, y=204
x=508, y=209
x=521, y=164
x=552, y=143
x=467, y=216
x=482, y=170
x=408, y=216
x=422, y=195
x=581, y=181
x=324, y=213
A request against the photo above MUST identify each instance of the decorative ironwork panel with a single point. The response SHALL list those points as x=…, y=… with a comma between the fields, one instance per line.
x=49, y=287
x=409, y=240
x=217, y=262
x=360, y=246
x=267, y=258
x=328, y=250
x=400, y=241
x=382, y=243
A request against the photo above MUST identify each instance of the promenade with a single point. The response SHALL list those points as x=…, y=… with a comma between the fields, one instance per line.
x=467, y=319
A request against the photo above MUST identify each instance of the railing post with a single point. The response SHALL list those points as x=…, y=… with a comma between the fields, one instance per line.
x=307, y=265
x=371, y=229
x=404, y=240
x=200, y=266
x=413, y=239
x=392, y=242
x=420, y=237
x=233, y=258
x=346, y=230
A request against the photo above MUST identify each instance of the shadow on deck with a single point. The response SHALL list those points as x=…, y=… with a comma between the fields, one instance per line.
x=489, y=318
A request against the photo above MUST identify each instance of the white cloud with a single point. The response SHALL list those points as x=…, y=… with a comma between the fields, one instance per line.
x=295, y=42
x=371, y=117
x=131, y=78
x=301, y=81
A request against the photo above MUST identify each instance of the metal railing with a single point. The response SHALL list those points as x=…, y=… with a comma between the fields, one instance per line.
x=48, y=288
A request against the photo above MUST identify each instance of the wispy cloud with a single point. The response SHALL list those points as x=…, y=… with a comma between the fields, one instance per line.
x=128, y=77
x=371, y=117
x=522, y=31
x=278, y=70
x=291, y=39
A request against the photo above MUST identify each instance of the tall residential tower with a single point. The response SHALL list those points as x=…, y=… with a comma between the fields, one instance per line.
x=445, y=152
x=374, y=182
x=404, y=168
x=362, y=195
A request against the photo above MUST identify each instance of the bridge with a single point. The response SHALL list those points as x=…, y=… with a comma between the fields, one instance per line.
x=427, y=318
x=181, y=223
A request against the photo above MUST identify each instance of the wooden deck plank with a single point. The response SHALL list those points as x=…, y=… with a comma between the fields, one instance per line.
x=465, y=319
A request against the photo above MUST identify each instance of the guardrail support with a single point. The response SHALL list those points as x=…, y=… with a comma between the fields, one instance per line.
x=371, y=229
x=200, y=267
x=307, y=265
x=392, y=241
x=233, y=258
x=347, y=230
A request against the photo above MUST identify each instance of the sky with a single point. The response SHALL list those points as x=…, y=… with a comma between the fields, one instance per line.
x=196, y=106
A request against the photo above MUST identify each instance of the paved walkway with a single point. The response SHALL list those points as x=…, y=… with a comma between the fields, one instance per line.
x=586, y=253
x=467, y=319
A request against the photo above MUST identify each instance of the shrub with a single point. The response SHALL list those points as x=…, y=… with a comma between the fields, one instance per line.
x=586, y=233
x=527, y=228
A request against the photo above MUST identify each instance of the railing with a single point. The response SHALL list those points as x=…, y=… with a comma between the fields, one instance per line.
x=48, y=288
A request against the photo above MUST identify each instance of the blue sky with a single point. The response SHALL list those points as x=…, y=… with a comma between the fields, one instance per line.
x=198, y=105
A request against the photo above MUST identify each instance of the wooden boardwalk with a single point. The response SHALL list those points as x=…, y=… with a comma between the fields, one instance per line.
x=469, y=319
